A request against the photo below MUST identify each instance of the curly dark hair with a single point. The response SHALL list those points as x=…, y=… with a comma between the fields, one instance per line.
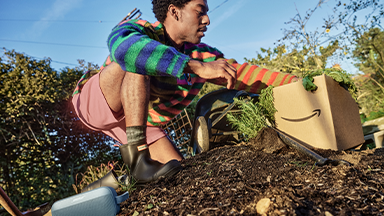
x=160, y=7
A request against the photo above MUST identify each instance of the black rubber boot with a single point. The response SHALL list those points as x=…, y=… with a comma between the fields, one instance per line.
x=142, y=168
x=109, y=180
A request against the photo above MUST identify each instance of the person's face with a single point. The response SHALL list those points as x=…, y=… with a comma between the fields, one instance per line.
x=193, y=21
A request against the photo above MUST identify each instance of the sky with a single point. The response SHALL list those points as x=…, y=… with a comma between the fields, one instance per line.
x=66, y=31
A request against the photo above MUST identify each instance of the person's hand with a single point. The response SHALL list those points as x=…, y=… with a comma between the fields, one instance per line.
x=220, y=70
x=296, y=79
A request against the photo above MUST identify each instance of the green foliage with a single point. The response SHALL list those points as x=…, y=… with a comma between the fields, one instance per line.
x=42, y=142
x=296, y=59
x=308, y=83
x=347, y=16
x=340, y=76
x=372, y=115
x=266, y=102
x=369, y=53
x=255, y=115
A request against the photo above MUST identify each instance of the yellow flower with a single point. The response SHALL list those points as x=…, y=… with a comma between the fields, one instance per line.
x=327, y=30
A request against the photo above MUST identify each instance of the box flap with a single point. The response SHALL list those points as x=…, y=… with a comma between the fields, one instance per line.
x=346, y=118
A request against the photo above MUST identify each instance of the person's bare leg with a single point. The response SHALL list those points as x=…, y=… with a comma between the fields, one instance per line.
x=163, y=150
x=111, y=79
x=134, y=96
x=129, y=91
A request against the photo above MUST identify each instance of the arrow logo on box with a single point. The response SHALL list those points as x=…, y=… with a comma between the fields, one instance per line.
x=316, y=112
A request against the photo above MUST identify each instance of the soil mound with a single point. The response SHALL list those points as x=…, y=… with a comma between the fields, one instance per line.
x=265, y=176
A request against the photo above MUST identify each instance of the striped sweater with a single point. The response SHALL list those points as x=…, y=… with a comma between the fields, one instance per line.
x=140, y=47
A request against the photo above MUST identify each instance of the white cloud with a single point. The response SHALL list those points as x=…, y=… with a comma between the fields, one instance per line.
x=225, y=15
x=57, y=11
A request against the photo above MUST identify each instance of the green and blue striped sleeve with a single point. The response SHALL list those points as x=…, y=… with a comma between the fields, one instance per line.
x=136, y=52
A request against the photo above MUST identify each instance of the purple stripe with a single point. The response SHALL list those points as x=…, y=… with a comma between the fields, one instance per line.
x=121, y=50
x=189, y=45
x=201, y=45
x=165, y=61
x=143, y=56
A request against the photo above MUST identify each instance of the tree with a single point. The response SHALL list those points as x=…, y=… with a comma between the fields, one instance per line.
x=363, y=38
x=301, y=50
x=297, y=61
x=42, y=142
x=369, y=53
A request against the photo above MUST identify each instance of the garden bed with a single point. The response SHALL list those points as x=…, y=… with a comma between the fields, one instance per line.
x=232, y=179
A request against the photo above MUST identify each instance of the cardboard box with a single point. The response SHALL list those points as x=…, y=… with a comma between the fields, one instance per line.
x=327, y=118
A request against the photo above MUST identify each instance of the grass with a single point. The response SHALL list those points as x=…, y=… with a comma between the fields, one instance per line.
x=94, y=173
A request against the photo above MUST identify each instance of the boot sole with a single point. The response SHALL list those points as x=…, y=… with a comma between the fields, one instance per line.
x=168, y=174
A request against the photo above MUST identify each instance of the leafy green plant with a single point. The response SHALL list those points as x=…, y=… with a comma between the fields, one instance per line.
x=339, y=75
x=255, y=115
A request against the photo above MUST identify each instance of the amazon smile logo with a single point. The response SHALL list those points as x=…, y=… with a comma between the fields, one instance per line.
x=315, y=112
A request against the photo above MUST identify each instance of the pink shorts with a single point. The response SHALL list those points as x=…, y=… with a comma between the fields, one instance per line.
x=93, y=110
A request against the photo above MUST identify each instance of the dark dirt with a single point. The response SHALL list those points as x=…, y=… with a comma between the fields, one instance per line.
x=233, y=179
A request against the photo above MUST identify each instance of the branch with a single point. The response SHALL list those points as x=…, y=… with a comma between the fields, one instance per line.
x=377, y=83
x=362, y=95
x=5, y=139
x=12, y=143
x=378, y=51
x=375, y=62
x=29, y=126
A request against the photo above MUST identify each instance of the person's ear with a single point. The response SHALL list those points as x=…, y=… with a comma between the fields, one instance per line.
x=174, y=12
